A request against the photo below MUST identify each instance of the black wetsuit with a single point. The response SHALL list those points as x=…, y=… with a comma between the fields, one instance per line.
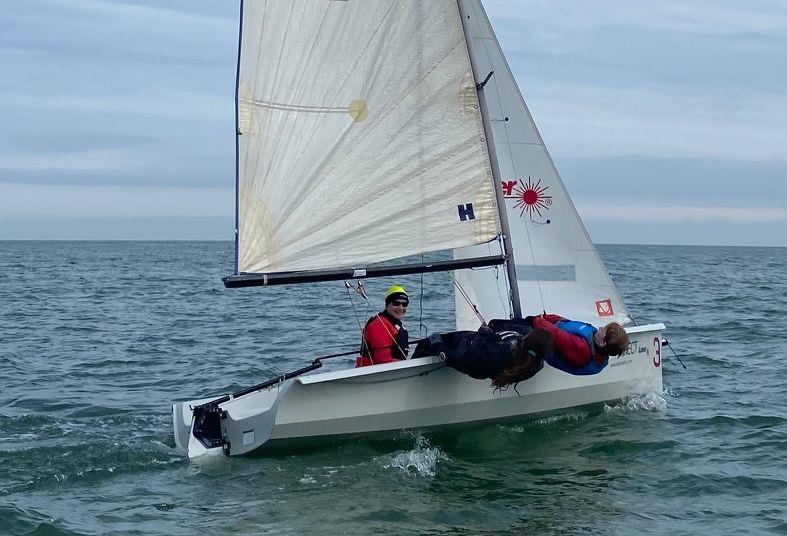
x=479, y=354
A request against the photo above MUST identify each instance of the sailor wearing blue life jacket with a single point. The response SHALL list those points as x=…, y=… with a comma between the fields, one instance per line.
x=581, y=348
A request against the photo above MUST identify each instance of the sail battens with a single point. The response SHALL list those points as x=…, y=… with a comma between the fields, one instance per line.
x=337, y=274
x=300, y=107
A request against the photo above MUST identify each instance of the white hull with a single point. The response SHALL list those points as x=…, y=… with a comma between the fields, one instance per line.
x=415, y=393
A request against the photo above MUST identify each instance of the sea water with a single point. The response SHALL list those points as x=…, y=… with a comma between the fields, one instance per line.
x=97, y=339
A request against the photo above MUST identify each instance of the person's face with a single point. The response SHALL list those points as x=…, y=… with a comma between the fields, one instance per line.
x=397, y=309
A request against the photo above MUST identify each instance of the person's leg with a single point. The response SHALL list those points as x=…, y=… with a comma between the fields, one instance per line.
x=438, y=343
x=522, y=326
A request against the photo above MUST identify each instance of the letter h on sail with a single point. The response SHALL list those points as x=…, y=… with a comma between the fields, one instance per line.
x=466, y=212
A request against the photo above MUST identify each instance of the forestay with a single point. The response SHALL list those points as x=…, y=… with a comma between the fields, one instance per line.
x=557, y=266
x=360, y=138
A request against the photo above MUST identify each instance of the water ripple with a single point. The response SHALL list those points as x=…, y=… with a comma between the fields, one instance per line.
x=101, y=336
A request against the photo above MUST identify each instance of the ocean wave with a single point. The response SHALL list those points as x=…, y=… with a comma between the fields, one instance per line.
x=16, y=520
x=39, y=468
x=768, y=422
x=619, y=447
x=693, y=485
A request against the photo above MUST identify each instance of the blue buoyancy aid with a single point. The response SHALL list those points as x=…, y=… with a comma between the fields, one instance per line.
x=586, y=331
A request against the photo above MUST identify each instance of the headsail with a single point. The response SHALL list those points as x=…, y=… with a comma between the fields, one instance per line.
x=557, y=266
x=360, y=138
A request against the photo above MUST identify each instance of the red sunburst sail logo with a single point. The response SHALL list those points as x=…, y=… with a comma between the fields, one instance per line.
x=531, y=197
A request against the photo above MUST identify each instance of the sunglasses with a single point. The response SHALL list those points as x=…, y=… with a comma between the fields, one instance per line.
x=397, y=303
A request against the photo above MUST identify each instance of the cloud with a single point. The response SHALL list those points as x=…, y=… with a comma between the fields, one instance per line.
x=121, y=31
x=587, y=121
x=158, y=102
x=671, y=181
x=660, y=79
x=26, y=201
x=90, y=160
x=632, y=210
x=139, y=94
x=702, y=17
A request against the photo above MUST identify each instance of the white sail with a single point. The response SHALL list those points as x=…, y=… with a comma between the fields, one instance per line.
x=360, y=135
x=558, y=268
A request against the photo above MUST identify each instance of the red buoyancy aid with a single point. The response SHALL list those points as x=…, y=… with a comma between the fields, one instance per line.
x=573, y=348
x=384, y=341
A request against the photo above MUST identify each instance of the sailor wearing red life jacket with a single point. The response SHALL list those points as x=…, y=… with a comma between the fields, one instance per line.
x=384, y=338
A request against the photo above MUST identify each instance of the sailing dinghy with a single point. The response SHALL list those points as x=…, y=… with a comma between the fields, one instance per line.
x=372, y=130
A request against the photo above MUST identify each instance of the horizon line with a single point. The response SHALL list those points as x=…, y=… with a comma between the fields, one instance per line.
x=230, y=241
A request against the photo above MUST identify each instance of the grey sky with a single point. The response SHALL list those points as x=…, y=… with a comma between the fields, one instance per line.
x=117, y=117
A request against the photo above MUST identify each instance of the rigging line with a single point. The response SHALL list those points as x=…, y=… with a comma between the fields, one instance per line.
x=376, y=316
x=352, y=303
x=509, y=286
x=503, y=300
x=393, y=339
x=464, y=294
x=669, y=345
x=527, y=231
x=631, y=317
x=366, y=298
x=421, y=305
x=360, y=289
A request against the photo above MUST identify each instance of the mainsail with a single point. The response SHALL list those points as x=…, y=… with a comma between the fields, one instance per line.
x=360, y=136
x=557, y=266
x=361, y=140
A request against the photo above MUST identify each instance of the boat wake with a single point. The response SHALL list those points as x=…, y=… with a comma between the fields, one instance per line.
x=421, y=460
x=546, y=421
x=574, y=416
x=655, y=402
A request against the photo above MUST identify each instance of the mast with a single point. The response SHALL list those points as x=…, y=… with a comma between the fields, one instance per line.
x=501, y=207
x=237, y=133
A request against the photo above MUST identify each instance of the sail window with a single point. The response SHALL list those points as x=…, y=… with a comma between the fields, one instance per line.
x=567, y=272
